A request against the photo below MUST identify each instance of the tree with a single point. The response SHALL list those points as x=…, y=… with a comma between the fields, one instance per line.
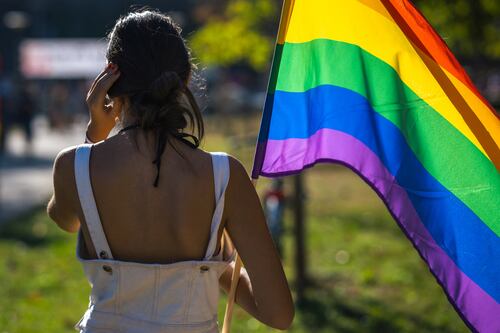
x=241, y=34
x=470, y=27
x=246, y=30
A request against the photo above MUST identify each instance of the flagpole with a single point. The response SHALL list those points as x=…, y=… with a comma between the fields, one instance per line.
x=232, y=295
x=282, y=29
x=228, y=316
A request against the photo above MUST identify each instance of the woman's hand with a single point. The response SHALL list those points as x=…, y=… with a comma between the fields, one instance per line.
x=102, y=116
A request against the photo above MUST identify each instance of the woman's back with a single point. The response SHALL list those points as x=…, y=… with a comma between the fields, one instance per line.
x=144, y=223
x=145, y=297
x=158, y=196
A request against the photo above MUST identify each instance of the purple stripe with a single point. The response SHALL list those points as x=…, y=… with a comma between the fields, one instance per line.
x=292, y=155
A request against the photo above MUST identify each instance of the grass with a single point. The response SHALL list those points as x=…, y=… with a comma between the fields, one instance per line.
x=364, y=275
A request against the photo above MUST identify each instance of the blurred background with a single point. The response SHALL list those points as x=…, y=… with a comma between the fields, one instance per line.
x=350, y=267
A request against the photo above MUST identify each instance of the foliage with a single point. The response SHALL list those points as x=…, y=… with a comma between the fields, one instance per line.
x=237, y=36
x=470, y=27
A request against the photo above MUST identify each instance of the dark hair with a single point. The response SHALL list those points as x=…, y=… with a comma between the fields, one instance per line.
x=155, y=66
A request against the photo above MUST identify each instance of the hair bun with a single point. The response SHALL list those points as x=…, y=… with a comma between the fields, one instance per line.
x=165, y=85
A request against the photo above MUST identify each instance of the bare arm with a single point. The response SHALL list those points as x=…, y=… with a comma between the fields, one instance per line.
x=61, y=207
x=263, y=289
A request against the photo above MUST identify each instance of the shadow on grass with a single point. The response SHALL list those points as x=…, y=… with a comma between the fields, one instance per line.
x=33, y=228
x=325, y=310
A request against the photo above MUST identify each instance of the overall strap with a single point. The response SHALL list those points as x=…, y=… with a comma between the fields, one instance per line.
x=87, y=201
x=220, y=164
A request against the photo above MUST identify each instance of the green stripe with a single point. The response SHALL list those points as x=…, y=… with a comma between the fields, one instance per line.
x=445, y=152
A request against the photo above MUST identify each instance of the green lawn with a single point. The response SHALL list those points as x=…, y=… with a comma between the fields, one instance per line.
x=364, y=274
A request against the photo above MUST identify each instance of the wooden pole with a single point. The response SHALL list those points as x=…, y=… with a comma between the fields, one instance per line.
x=228, y=315
x=232, y=295
x=300, y=254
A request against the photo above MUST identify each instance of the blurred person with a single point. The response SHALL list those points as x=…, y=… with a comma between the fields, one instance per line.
x=58, y=104
x=25, y=112
x=7, y=114
x=150, y=206
x=78, y=100
x=76, y=108
x=274, y=204
x=2, y=126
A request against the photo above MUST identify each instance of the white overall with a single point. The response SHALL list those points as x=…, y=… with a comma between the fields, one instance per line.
x=130, y=297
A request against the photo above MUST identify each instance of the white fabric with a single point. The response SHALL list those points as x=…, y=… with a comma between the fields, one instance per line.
x=131, y=297
x=87, y=201
x=220, y=165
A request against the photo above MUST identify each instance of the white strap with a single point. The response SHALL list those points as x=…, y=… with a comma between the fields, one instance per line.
x=220, y=164
x=86, y=195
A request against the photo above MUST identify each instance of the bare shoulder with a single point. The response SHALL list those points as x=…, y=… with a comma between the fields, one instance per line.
x=240, y=193
x=62, y=206
x=64, y=162
x=238, y=172
x=64, y=172
x=239, y=181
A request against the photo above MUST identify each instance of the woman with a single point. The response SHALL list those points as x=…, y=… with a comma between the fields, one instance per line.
x=150, y=227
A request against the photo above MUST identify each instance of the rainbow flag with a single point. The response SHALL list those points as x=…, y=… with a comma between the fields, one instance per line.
x=370, y=85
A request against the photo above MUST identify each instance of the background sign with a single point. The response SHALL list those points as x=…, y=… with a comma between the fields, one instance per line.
x=62, y=58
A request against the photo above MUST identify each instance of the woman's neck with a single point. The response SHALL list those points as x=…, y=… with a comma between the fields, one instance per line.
x=127, y=119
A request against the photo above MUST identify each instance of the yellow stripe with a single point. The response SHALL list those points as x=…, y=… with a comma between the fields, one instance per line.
x=377, y=6
x=366, y=24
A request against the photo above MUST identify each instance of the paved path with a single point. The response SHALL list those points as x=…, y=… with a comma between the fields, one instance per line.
x=26, y=179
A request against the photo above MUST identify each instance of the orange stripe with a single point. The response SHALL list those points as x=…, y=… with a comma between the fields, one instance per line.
x=484, y=137
x=421, y=33
x=480, y=107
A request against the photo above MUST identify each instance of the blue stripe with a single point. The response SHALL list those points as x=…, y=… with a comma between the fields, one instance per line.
x=455, y=228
